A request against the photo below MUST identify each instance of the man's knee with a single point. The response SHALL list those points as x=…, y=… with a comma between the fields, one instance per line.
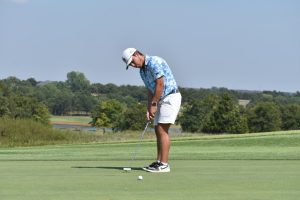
x=162, y=128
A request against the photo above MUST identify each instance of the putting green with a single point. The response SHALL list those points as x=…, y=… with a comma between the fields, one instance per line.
x=253, y=167
x=193, y=179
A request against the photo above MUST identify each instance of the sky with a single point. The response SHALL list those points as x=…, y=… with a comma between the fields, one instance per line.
x=236, y=44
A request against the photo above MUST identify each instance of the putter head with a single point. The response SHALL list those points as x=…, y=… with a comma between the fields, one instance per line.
x=127, y=169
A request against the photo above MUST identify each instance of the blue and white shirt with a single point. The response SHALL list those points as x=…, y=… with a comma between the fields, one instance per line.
x=155, y=68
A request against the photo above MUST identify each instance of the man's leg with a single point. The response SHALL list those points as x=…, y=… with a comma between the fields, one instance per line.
x=158, y=146
x=163, y=142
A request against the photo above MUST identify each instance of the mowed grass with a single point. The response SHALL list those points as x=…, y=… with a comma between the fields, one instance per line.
x=236, y=167
x=71, y=119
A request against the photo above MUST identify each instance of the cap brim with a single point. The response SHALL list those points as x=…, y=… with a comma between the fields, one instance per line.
x=128, y=63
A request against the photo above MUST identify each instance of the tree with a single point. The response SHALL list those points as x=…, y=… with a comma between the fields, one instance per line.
x=56, y=96
x=108, y=114
x=134, y=117
x=77, y=81
x=190, y=117
x=264, y=116
x=3, y=106
x=5, y=89
x=31, y=82
x=196, y=113
x=290, y=117
x=83, y=102
x=226, y=118
x=27, y=108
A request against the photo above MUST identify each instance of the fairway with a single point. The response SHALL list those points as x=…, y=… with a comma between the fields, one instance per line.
x=79, y=120
x=262, y=167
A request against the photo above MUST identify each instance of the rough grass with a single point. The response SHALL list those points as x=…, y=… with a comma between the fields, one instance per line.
x=23, y=132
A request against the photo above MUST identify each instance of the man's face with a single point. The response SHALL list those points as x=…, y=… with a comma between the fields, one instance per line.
x=137, y=60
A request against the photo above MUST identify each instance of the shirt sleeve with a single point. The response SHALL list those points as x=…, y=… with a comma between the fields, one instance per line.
x=157, y=69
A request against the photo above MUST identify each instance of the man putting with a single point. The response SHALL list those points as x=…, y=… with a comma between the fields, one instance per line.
x=164, y=100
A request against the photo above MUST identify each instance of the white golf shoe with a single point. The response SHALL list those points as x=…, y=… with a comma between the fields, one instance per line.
x=157, y=167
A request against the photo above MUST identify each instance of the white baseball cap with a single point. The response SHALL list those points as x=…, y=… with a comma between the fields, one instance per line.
x=127, y=56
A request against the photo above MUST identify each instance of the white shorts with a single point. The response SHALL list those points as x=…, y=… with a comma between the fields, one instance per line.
x=167, y=109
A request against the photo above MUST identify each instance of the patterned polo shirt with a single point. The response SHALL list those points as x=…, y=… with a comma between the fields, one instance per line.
x=156, y=67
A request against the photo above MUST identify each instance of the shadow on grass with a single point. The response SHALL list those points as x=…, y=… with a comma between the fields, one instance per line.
x=106, y=167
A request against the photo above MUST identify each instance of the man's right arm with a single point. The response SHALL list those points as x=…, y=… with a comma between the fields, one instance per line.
x=150, y=96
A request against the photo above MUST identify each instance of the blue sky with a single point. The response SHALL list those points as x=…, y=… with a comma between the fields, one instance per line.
x=237, y=44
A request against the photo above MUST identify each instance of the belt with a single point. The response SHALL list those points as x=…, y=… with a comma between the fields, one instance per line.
x=173, y=92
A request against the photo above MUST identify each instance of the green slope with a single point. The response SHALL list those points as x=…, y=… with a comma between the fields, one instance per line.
x=283, y=145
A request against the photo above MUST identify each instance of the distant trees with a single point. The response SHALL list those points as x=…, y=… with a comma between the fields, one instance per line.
x=214, y=110
x=214, y=115
x=67, y=98
x=56, y=96
x=223, y=115
x=21, y=107
x=112, y=114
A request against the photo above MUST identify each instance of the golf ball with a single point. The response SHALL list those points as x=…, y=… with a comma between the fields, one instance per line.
x=140, y=178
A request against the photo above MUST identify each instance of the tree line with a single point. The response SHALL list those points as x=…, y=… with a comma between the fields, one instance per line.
x=214, y=110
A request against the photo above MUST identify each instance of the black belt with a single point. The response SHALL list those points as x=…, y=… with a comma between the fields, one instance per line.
x=173, y=92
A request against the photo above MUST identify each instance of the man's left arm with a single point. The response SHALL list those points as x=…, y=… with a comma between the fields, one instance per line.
x=159, y=88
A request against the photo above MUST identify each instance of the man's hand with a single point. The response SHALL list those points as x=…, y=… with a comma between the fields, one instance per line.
x=151, y=111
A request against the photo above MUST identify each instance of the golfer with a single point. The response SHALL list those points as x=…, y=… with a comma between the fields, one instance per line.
x=164, y=100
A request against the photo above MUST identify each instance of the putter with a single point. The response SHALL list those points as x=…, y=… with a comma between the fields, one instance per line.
x=137, y=147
